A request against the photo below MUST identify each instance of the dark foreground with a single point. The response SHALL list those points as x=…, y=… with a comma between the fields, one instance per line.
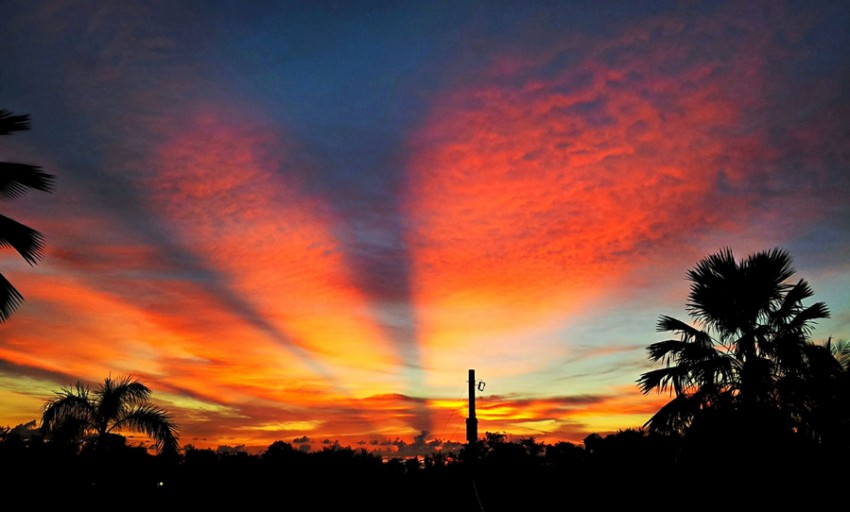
x=629, y=469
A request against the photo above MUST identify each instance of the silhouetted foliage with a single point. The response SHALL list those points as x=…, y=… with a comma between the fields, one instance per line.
x=94, y=417
x=15, y=180
x=627, y=468
x=748, y=384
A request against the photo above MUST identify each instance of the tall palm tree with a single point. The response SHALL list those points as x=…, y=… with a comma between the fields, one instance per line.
x=751, y=333
x=96, y=416
x=15, y=180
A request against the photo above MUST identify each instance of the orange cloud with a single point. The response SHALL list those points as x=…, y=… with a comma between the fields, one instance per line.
x=534, y=189
x=226, y=187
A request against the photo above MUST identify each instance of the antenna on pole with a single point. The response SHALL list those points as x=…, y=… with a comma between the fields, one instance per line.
x=471, y=421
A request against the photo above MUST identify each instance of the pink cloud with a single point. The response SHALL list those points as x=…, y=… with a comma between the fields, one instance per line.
x=535, y=188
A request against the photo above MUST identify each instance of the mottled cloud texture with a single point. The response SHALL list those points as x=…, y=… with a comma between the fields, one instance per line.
x=300, y=223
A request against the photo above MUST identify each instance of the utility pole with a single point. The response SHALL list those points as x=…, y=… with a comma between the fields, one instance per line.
x=471, y=421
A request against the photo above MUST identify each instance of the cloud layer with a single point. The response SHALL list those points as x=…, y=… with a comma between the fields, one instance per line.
x=299, y=223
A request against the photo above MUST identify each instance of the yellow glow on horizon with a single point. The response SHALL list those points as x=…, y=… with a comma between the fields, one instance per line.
x=17, y=404
x=297, y=426
x=448, y=404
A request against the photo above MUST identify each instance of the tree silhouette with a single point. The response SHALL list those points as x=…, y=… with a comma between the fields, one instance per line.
x=96, y=416
x=819, y=395
x=749, y=352
x=15, y=180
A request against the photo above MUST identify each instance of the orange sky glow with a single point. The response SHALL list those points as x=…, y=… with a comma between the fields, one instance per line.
x=288, y=238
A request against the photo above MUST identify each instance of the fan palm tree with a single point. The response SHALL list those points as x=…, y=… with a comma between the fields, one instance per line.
x=96, y=416
x=15, y=180
x=751, y=333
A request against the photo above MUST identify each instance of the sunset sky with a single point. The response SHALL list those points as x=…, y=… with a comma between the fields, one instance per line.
x=305, y=221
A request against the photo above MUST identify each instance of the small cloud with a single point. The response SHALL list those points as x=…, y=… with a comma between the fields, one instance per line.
x=230, y=450
x=420, y=439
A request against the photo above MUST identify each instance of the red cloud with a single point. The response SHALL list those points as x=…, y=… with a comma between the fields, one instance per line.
x=532, y=189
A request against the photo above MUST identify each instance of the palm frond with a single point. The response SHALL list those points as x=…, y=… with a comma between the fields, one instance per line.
x=16, y=179
x=731, y=297
x=155, y=423
x=792, y=301
x=27, y=241
x=710, y=286
x=804, y=320
x=774, y=265
x=673, y=417
x=665, y=350
x=688, y=332
x=766, y=273
x=10, y=299
x=70, y=406
x=671, y=378
x=13, y=123
x=714, y=371
x=841, y=351
x=115, y=396
x=652, y=379
x=682, y=350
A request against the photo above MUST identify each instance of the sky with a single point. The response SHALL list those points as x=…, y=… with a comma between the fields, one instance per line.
x=306, y=221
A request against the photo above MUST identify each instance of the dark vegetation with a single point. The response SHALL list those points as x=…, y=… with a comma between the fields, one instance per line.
x=759, y=416
x=96, y=416
x=629, y=468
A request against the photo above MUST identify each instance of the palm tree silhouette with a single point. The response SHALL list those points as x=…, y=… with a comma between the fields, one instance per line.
x=96, y=416
x=749, y=341
x=15, y=180
x=819, y=394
